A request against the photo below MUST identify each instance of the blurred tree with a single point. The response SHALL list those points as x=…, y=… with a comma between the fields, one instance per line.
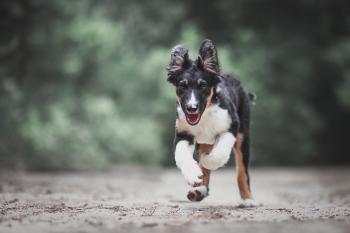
x=82, y=83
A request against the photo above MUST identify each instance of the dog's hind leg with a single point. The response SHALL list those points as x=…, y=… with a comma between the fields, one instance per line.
x=199, y=192
x=241, y=150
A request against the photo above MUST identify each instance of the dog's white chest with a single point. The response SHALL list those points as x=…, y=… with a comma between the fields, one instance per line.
x=214, y=120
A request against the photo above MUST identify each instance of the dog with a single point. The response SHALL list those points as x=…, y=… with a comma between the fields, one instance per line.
x=213, y=118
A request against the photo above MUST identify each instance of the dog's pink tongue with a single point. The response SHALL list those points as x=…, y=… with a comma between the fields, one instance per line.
x=193, y=118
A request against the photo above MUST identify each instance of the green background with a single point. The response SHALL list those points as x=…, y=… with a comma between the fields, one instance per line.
x=83, y=82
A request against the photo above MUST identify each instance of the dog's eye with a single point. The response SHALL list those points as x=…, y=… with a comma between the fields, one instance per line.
x=203, y=85
x=182, y=84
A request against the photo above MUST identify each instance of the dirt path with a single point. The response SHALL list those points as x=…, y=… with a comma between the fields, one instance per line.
x=130, y=199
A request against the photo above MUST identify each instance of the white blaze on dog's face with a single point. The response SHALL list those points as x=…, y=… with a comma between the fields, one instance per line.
x=193, y=103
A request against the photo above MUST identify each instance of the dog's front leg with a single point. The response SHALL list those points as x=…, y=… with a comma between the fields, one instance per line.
x=185, y=162
x=220, y=153
x=198, y=193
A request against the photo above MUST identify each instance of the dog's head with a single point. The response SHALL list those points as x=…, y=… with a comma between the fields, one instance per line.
x=195, y=81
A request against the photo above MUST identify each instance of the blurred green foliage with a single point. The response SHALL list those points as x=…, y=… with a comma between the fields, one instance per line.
x=83, y=83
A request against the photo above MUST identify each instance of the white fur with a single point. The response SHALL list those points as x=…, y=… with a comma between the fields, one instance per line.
x=202, y=189
x=245, y=203
x=184, y=160
x=193, y=101
x=220, y=153
x=214, y=121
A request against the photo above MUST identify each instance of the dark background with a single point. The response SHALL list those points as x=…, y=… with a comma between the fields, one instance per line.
x=83, y=82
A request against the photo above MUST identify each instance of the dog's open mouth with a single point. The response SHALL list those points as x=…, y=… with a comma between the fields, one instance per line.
x=193, y=118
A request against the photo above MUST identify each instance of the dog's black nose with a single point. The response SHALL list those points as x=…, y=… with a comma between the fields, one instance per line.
x=192, y=108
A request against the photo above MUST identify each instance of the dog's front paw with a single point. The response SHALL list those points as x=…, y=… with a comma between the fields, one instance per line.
x=197, y=193
x=248, y=203
x=193, y=174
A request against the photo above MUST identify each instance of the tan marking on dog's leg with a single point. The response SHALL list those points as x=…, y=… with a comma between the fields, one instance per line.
x=242, y=178
x=201, y=190
x=204, y=149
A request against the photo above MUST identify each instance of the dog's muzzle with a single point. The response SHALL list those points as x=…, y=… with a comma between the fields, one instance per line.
x=193, y=118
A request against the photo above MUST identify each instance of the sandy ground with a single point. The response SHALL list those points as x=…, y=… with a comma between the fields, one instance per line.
x=133, y=199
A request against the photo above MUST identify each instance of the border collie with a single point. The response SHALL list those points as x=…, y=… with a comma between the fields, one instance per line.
x=213, y=117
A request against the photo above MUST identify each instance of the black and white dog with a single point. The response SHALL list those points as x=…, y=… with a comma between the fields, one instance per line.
x=213, y=117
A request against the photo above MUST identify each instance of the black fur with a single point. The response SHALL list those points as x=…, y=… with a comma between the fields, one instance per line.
x=228, y=91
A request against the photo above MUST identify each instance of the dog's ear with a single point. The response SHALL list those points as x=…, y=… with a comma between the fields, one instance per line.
x=208, y=57
x=179, y=60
